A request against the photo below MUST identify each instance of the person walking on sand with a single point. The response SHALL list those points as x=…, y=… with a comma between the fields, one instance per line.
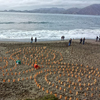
x=69, y=44
x=99, y=38
x=62, y=38
x=31, y=39
x=96, y=38
x=83, y=40
x=35, y=39
x=80, y=40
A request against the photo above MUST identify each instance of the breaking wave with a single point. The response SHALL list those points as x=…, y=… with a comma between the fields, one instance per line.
x=50, y=34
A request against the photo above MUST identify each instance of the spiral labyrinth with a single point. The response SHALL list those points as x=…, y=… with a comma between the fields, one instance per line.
x=66, y=81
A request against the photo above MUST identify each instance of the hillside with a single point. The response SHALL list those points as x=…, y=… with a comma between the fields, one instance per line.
x=89, y=10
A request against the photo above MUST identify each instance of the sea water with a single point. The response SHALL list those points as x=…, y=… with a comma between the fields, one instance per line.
x=23, y=26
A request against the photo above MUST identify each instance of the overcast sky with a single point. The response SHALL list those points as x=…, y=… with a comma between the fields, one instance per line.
x=35, y=4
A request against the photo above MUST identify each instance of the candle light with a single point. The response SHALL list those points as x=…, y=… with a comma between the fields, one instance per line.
x=8, y=80
x=51, y=92
x=85, y=94
x=47, y=91
x=60, y=96
x=18, y=79
x=56, y=86
x=77, y=93
x=60, y=88
x=64, y=90
x=3, y=80
x=13, y=80
x=69, y=86
x=74, y=87
x=55, y=95
x=66, y=98
x=43, y=88
x=70, y=91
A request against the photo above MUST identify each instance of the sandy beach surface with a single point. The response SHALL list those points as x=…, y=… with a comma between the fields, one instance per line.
x=68, y=72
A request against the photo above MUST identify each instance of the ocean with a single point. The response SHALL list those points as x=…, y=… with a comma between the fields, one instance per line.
x=22, y=26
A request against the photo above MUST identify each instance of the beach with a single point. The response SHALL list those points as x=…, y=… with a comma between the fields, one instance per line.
x=66, y=71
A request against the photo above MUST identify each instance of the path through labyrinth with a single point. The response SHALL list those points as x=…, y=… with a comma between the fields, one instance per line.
x=66, y=81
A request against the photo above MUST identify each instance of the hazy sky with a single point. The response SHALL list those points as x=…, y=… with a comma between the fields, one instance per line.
x=34, y=4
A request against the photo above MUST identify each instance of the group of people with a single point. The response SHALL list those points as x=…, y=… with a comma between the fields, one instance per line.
x=32, y=39
x=62, y=37
x=82, y=41
x=97, y=38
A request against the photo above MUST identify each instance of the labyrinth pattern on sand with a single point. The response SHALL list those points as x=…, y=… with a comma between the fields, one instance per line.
x=66, y=81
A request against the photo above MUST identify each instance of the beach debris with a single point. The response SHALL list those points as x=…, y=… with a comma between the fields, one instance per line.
x=18, y=62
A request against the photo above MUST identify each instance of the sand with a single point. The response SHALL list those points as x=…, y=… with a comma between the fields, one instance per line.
x=71, y=72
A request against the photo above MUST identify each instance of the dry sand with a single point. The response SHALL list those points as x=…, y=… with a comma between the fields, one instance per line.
x=66, y=67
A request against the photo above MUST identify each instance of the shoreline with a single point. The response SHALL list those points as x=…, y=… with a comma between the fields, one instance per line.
x=42, y=41
x=27, y=40
x=90, y=41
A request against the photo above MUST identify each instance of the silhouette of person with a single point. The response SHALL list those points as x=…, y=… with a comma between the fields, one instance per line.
x=83, y=40
x=80, y=40
x=96, y=38
x=31, y=39
x=69, y=42
x=62, y=38
x=99, y=38
x=35, y=39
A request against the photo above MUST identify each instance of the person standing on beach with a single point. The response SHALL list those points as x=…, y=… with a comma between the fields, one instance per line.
x=80, y=40
x=96, y=38
x=35, y=39
x=62, y=38
x=83, y=40
x=31, y=39
x=99, y=38
x=69, y=42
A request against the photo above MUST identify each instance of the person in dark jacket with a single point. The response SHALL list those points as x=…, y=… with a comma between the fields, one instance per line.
x=35, y=39
x=31, y=39
x=69, y=42
x=99, y=38
x=80, y=40
x=83, y=41
x=62, y=38
x=96, y=38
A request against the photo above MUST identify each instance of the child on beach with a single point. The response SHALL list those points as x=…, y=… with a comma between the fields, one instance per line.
x=36, y=66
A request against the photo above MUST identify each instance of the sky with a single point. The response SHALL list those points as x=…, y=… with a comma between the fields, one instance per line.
x=35, y=4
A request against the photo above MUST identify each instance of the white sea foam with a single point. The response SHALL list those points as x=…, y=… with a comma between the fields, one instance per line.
x=50, y=34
